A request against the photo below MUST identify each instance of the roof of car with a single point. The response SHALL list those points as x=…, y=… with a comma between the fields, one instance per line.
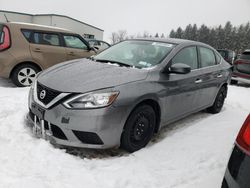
x=37, y=26
x=171, y=40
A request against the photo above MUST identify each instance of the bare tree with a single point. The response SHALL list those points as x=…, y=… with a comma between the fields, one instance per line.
x=145, y=34
x=118, y=36
x=122, y=34
x=114, y=37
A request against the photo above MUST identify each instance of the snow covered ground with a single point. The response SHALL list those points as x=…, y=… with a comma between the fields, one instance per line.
x=190, y=153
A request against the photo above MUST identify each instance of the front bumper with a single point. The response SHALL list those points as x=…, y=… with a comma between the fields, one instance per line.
x=96, y=128
x=238, y=170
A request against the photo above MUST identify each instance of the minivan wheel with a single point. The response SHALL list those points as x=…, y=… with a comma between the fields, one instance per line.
x=139, y=128
x=219, y=101
x=24, y=75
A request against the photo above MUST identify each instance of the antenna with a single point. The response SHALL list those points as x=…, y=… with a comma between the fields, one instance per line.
x=6, y=18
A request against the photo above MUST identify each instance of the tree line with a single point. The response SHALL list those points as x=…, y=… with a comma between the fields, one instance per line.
x=231, y=37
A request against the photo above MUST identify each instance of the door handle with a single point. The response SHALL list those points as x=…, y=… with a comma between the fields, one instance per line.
x=198, y=81
x=219, y=75
x=71, y=53
x=37, y=50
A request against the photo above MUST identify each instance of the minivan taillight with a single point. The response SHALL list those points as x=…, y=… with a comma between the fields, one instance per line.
x=243, y=138
x=5, y=43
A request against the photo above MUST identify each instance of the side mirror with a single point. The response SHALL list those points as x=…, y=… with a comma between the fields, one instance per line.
x=180, y=68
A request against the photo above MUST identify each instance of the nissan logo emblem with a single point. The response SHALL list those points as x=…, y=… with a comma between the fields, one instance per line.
x=42, y=94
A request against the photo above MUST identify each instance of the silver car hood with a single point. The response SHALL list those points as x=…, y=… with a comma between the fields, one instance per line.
x=83, y=75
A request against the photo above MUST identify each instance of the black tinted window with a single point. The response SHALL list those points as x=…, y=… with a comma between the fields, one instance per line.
x=207, y=57
x=47, y=39
x=27, y=35
x=187, y=56
x=245, y=55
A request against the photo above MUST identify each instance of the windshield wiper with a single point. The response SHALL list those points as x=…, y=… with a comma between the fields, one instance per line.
x=113, y=62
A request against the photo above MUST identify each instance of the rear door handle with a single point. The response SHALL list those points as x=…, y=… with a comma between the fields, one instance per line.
x=37, y=50
x=71, y=53
x=198, y=81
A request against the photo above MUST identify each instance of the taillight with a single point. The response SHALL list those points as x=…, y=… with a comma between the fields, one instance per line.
x=6, y=39
x=243, y=138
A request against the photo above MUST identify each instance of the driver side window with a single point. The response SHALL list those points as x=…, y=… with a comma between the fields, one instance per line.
x=187, y=56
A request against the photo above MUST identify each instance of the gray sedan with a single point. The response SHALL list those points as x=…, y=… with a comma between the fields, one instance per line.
x=128, y=92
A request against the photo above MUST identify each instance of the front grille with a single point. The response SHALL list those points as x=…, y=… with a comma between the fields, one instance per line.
x=49, y=94
x=88, y=137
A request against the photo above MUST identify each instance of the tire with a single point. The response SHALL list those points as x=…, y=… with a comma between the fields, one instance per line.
x=24, y=75
x=234, y=82
x=139, y=128
x=219, y=101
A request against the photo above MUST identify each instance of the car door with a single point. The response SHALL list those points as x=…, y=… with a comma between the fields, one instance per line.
x=182, y=89
x=46, y=48
x=211, y=78
x=76, y=47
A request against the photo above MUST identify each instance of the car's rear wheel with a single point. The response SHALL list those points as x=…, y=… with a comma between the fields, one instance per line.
x=24, y=75
x=139, y=128
x=219, y=101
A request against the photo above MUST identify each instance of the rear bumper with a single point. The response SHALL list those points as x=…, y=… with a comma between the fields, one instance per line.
x=238, y=170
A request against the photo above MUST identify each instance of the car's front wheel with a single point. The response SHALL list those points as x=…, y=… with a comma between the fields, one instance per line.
x=219, y=101
x=139, y=128
x=24, y=75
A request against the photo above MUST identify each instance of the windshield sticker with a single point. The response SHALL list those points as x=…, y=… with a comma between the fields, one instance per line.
x=162, y=44
x=145, y=64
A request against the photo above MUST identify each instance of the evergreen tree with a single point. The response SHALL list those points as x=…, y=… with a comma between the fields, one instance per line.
x=172, y=34
x=179, y=33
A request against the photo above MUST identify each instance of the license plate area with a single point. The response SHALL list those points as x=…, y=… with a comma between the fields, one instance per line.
x=38, y=111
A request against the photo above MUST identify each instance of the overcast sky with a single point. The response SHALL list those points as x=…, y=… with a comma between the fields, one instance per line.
x=139, y=15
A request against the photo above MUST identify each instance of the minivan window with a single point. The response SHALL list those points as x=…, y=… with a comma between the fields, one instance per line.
x=46, y=38
x=27, y=34
x=187, y=56
x=245, y=55
x=207, y=57
x=74, y=42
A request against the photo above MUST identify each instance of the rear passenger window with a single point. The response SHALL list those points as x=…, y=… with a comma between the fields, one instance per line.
x=218, y=58
x=207, y=57
x=187, y=56
x=27, y=35
x=47, y=39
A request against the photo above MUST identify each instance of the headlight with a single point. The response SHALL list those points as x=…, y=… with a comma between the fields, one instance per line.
x=91, y=100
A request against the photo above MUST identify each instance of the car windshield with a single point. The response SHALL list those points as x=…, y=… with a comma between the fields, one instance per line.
x=136, y=53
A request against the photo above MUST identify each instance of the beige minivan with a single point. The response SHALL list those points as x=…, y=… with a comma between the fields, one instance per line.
x=26, y=49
